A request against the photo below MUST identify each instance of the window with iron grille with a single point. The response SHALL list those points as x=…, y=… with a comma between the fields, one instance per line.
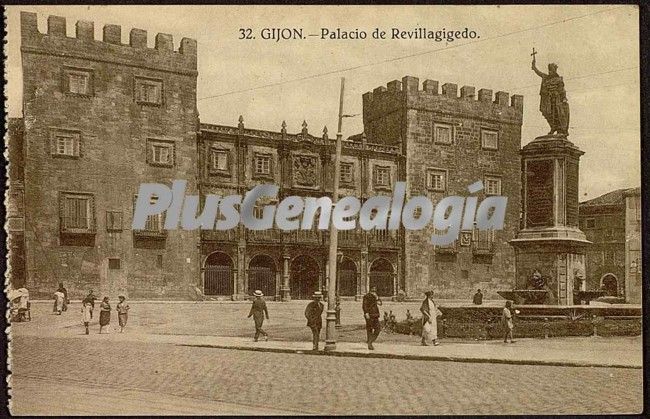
x=346, y=173
x=113, y=220
x=219, y=160
x=65, y=143
x=382, y=176
x=437, y=180
x=262, y=165
x=148, y=91
x=161, y=152
x=78, y=81
x=443, y=133
x=492, y=185
x=489, y=139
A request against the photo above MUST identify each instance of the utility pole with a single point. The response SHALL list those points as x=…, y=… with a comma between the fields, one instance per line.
x=330, y=330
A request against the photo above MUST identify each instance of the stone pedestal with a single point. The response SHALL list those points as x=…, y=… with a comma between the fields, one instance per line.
x=549, y=239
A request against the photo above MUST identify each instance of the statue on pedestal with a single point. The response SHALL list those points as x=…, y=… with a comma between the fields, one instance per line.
x=553, y=102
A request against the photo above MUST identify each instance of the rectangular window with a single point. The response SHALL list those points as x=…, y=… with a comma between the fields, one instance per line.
x=154, y=223
x=148, y=91
x=113, y=263
x=382, y=176
x=347, y=173
x=113, y=220
x=590, y=223
x=160, y=152
x=76, y=212
x=489, y=139
x=262, y=164
x=437, y=180
x=159, y=261
x=65, y=143
x=78, y=81
x=492, y=186
x=443, y=133
x=219, y=160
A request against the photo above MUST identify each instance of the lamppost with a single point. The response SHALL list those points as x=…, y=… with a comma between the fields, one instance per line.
x=330, y=330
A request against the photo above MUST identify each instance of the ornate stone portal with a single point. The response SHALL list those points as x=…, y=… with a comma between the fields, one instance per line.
x=549, y=240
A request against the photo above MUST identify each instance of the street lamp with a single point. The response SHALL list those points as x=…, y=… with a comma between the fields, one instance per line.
x=330, y=329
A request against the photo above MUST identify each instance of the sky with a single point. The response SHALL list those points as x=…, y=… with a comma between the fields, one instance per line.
x=595, y=47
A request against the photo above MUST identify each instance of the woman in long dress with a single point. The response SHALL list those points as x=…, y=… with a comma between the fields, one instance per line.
x=104, y=314
x=429, y=320
x=59, y=298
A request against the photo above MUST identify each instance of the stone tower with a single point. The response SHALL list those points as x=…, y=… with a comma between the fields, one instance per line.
x=448, y=141
x=100, y=118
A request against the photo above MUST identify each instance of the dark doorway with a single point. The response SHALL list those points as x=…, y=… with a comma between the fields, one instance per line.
x=381, y=276
x=261, y=275
x=217, y=275
x=610, y=285
x=347, y=283
x=305, y=273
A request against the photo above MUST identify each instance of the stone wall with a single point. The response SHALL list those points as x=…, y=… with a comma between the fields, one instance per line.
x=403, y=114
x=113, y=129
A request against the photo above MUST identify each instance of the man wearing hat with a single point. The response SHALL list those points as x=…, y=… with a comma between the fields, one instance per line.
x=371, y=303
x=314, y=313
x=258, y=311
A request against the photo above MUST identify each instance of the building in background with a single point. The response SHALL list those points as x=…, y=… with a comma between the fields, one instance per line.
x=613, y=223
x=101, y=117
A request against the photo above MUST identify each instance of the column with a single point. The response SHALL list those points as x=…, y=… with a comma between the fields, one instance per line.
x=285, y=290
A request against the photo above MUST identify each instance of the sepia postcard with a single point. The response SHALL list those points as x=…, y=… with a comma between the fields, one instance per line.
x=323, y=210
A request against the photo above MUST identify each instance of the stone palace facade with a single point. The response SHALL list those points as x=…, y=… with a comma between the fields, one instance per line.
x=102, y=117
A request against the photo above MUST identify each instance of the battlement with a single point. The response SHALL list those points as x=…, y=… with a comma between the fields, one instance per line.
x=110, y=48
x=407, y=92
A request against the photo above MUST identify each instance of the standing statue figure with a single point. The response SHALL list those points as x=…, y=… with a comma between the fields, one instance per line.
x=553, y=103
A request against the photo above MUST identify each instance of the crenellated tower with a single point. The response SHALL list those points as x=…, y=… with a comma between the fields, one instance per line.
x=449, y=140
x=100, y=118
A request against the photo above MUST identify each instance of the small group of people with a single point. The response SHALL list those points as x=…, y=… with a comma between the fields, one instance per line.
x=371, y=313
x=61, y=303
x=88, y=306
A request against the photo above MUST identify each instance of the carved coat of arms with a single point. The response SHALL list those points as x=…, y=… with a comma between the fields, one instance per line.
x=305, y=170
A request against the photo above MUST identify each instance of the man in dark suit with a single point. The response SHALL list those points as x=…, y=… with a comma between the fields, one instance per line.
x=314, y=313
x=371, y=303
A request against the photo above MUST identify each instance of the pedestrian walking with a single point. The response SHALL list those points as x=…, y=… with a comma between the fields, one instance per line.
x=478, y=298
x=59, y=297
x=122, y=312
x=370, y=305
x=66, y=301
x=314, y=315
x=90, y=298
x=259, y=311
x=430, y=314
x=104, y=314
x=508, y=324
x=86, y=315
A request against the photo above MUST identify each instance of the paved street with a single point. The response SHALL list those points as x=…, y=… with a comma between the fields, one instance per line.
x=150, y=369
x=243, y=381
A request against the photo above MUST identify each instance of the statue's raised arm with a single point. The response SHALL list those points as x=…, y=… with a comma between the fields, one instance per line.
x=553, y=101
x=536, y=70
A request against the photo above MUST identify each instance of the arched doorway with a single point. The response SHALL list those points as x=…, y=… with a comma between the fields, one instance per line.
x=261, y=275
x=609, y=284
x=217, y=275
x=381, y=276
x=347, y=281
x=304, y=276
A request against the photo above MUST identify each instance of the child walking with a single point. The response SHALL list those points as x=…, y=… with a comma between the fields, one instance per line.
x=86, y=315
x=122, y=312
